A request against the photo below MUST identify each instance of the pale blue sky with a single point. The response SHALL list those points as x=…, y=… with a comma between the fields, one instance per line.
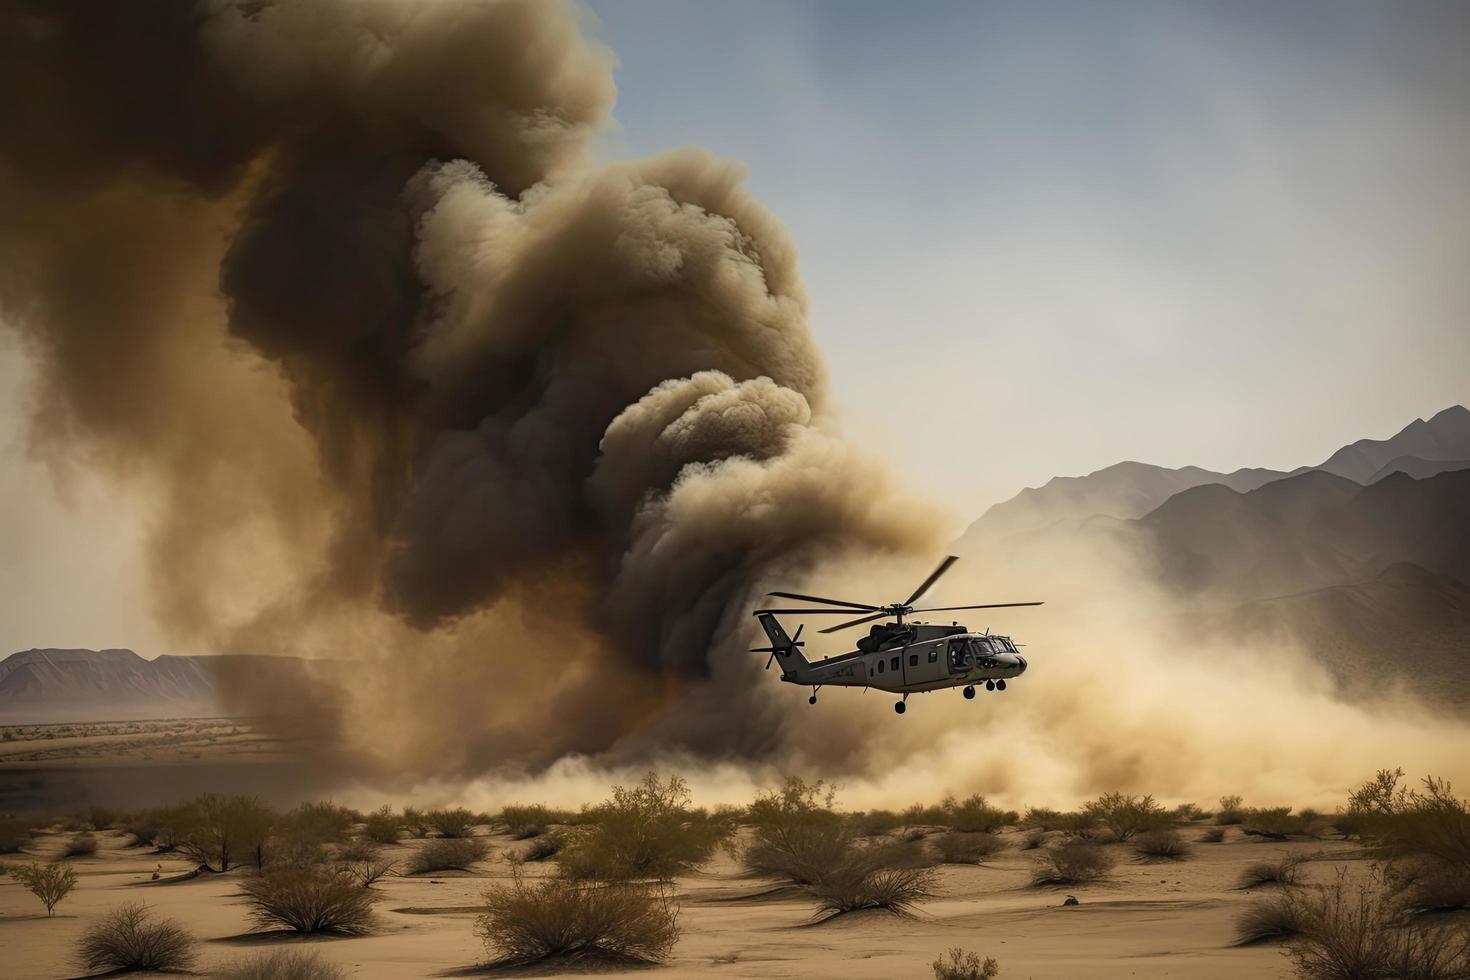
x=1044, y=237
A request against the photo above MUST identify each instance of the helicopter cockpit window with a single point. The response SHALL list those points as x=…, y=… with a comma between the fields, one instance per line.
x=960, y=658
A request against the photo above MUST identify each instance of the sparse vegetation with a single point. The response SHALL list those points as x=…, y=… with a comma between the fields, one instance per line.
x=1045, y=818
x=1161, y=844
x=448, y=854
x=15, y=834
x=83, y=844
x=874, y=822
x=454, y=822
x=220, y=831
x=1070, y=863
x=1276, y=822
x=525, y=921
x=130, y=938
x=1187, y=812
x=413, y=822
x=286, y=964
x=1125, y=816
x=1212, y=835
x=309, y=900
x=523, y=822
x=382, y=826
x=961, y=848
x=975, y=815
x=645, y=831
x=864, y=882
x=316, y=823
x=543, y=847
x=1230, y=812
x=49, y=882
x=796, y=833
x=1270, y=920
x=370, y=870
x=1285, y=872
x=960, y=964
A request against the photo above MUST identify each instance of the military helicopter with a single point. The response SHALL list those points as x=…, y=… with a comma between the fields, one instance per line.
x=899, y=657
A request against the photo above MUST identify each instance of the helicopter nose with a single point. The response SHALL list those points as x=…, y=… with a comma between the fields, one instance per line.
x=1021, y=663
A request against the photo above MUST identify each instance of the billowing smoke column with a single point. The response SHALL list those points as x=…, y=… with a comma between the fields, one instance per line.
x=408, y=378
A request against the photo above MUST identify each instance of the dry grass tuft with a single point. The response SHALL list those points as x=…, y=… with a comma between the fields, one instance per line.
x=81, y=845
x=960, y=964
x=370, y=871
x=282, y=965
x=1285, y=872
x=958, y=848
x=858, y=885
x=448, y=854
x=309, y=901
x=1164, y=845
x=128, y=938
x=1270, y=920
x=1072, y=863
x=556, y=917
x=1212, y=835
x=543, y=847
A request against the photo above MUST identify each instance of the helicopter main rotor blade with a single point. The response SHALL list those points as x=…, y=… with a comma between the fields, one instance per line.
x=988, y=605
x=933, y=577
x=817, y=598
x=855, y=622
x=811, y=612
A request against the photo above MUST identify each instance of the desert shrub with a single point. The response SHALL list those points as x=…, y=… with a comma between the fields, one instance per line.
x=1285, y=872
x=644, y=831
x=358, y=850
x=959, y=964
x=525, y=921
x=1350, y=933
x=102, y=818
x=1161, y=844
x=80, y=845
x=1276, y=822
x=1431, y=824
x=1186, y=812
x=795, y=832
x=320, y=823
x=860, y=883
x=1045, y=818
x=1033, y=839
x=129, y=938
x=49, y=882
x=368, y=871
x=454, y=822
x=1070, y=863
x=286, y=964
x=961, y=848
x=1125, y=816
x=382, y=826
x=925, y=813
x=1212, y=835
x=448, y=854
x=874, y=822
x=309, y=900
x=543, y=847
x=220, y=831
x=1424, y=886
x=523, y=821
x=974, y=814
x=1230, y=812
x=413, y=822
x=1270, y=920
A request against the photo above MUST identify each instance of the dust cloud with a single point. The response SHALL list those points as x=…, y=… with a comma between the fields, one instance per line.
x=404, y=380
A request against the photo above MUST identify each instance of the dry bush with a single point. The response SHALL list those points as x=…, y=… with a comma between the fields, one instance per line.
x=1429, y=825
x=874, y=822
x=1276, y=822
x=1359, y=932
x=974, y=814
x=1045, y=818
x=358, y=850
x=960, y=964
x=452, y=822
x=448, y=854
x=543, y=847
x=1125, y=816
x=1270, y=920
x=525, y=921
x=1230, y=812
x=959, y=848
x=321, y=823
x=1161, y=844
x=523, y=821
x=1073, y=862
x=1285, y=872
x=103, y=818
x=283, y=964
x=858, y=884
x=1212, y=835
x=413, y=822
x=1423, y=886
x=220, y=831
x=928, y=814
x=1187, y=812
x=1033, y=839
x=309, y=900
x=49, y=882
x=796, y=833
x=15, y=834
x=645, y=831
x=81, y=845
x=129, y=938
x=382, y=826
x=369, y=871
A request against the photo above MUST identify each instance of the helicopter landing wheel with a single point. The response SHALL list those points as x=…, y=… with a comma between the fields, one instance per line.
x=990, y=685
x=900, y=707
x=812, y=699
x=969, y=693
x=1000, y=685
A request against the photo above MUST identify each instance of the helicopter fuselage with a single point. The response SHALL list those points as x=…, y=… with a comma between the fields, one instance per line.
x=953, y=658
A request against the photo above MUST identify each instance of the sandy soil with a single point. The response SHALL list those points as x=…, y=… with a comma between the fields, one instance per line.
x=134, y=742
x=1147, y=920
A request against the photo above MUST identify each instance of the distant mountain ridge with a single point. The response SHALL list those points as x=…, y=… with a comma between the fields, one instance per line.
x=40, y=685
x=1131, y=489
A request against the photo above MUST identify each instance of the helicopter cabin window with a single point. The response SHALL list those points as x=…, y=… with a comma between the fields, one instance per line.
x=913, y=660
x=934, y=655
x=880, y=665
x=893, y=665
x=959, y=656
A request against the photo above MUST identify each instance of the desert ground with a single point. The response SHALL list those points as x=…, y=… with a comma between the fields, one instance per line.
x=1144, y=917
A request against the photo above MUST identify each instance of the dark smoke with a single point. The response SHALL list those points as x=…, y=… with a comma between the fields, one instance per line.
x=409, y=379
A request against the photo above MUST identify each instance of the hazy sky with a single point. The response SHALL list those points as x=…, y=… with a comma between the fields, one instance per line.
x=1039, y=238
